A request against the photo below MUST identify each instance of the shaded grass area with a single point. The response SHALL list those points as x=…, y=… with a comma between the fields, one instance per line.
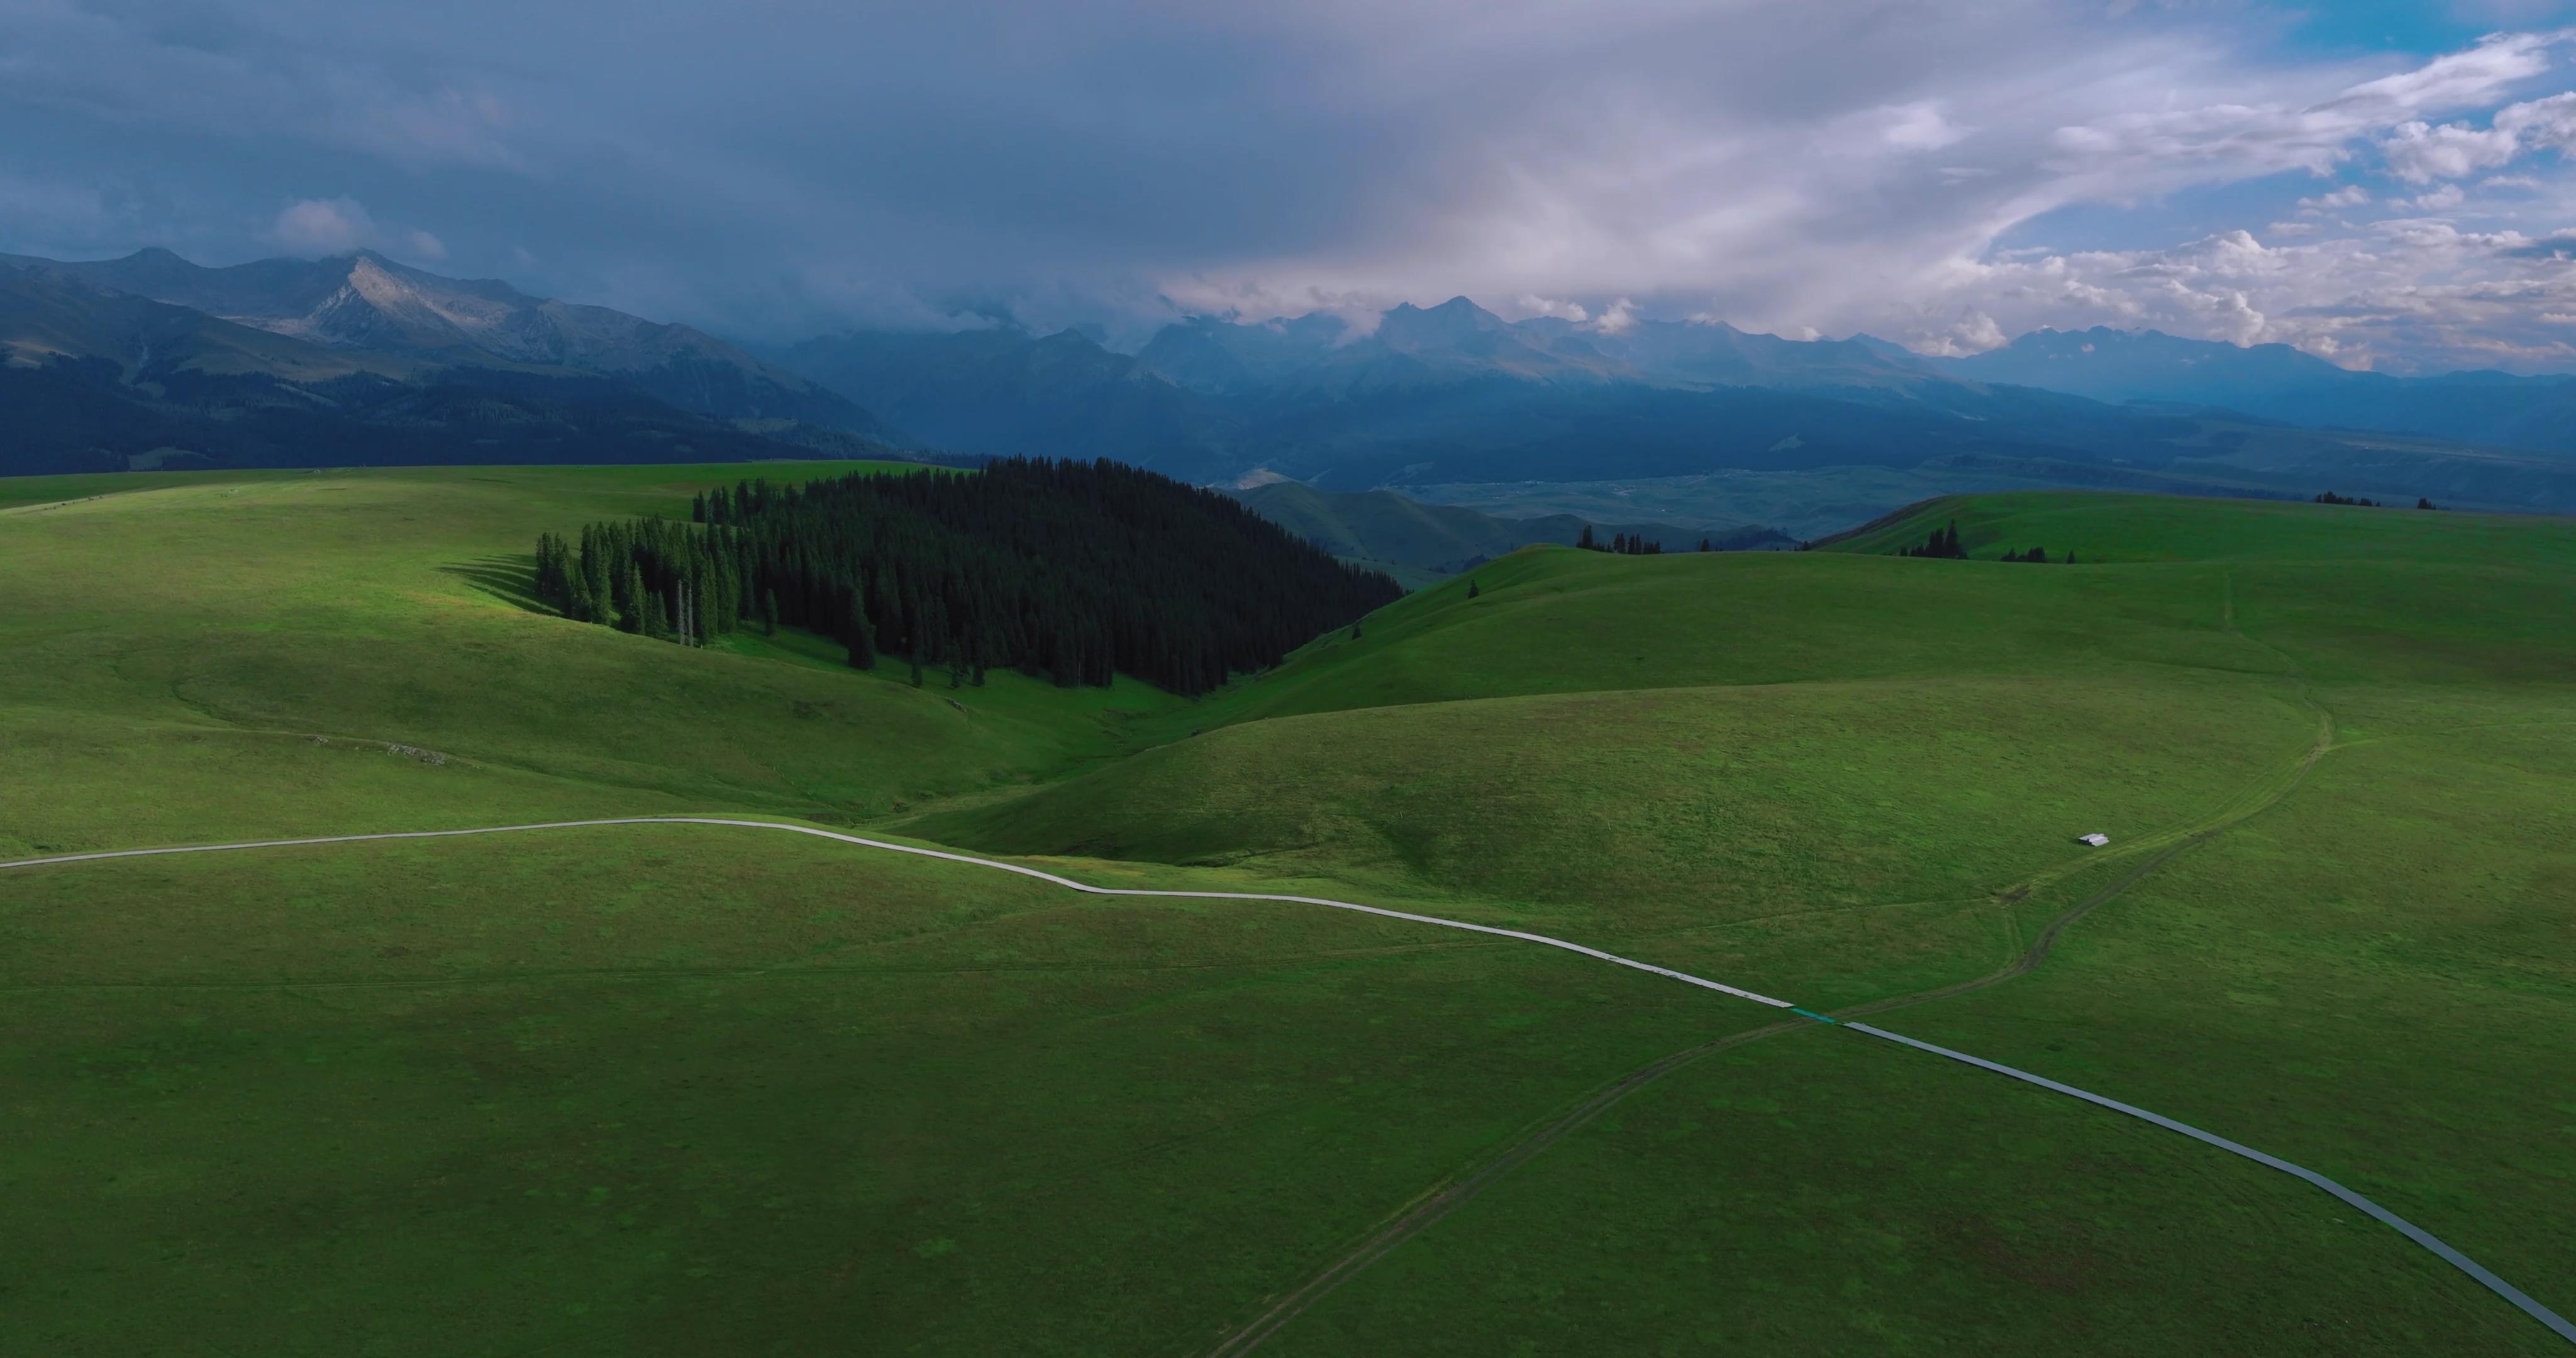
x=684, y=1089
x=1823, y=1193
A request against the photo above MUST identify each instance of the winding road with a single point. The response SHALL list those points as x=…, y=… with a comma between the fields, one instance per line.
x=1439, y=1205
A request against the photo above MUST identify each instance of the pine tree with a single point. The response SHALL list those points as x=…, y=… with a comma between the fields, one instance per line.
x=628, y=600
x=1473, y=589
x=1586, y=541
x=769, y=612
x=1706, y=546
x=863, y=644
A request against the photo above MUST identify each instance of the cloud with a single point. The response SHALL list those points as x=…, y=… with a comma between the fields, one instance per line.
x=1549, y=306
x=333, y=226
x=1871, y=165
x=2420, y=153
x=52, y=211
x=1920, y=126
x=2558, y=247
x=2543, y=124
x=2412, y=294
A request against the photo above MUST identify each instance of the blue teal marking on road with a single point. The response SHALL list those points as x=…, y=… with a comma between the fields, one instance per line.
x=1809, y=1013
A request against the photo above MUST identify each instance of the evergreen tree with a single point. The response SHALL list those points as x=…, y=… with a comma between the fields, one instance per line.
x=630, y=598
x=863, y=643
x=1076, y=570
x=1706, y=546
x=1473, y=589
x=2425, y=502
x=1586, y=541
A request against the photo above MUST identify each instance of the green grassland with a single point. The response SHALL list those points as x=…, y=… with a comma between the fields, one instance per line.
x=176, y=650
x=686, y=1088
x=689, y=1089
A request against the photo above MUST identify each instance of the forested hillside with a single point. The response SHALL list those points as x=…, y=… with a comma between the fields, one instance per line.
x=1075, y=571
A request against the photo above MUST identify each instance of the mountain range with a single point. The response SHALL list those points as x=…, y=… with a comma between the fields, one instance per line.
x=2277, y=382
x=153, y=360
x=1455, y=394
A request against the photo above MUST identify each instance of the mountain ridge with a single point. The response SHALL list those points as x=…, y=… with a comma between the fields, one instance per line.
x=363, y=302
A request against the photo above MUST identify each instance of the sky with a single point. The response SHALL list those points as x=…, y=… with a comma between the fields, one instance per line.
x=2386, y=183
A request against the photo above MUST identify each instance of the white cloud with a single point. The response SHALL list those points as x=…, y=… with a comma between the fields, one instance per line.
x=1549, y=306
x=1920, y=127
x=2545, y=124
x=2442, y=199
x=1618, y=318
x=2414, y=294
x=2350, y=195
x=2420, y=153
x=334, y=226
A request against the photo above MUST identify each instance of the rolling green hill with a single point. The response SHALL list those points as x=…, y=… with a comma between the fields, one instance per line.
x=693, y=1088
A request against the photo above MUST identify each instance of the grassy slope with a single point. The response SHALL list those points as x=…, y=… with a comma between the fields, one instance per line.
x=189, y=640
x=2369, y=978
x=2155, y=697
x=1850, y=837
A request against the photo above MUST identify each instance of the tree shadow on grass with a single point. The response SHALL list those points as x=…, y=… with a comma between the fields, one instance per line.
x=510, y=579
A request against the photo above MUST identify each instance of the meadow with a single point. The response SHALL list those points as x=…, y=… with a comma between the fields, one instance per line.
x=672, y=1089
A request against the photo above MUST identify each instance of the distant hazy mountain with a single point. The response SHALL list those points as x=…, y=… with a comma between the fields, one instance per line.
x=2277, y=382
x=1004, y=392
x=1388, y=529
x=1452, y=393
x=364, y=303
x=150, y=358
x=97, y=375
